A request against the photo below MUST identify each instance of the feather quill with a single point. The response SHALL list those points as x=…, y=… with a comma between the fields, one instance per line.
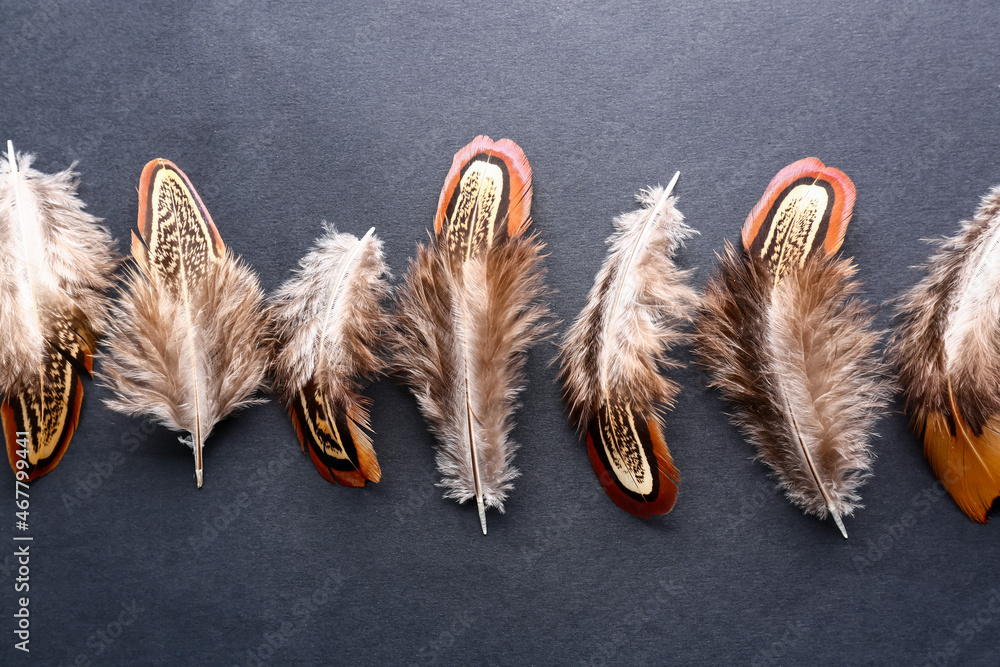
x=612, y=355
x=788, y=339
x=469, y=310
x=55, y=262
x=187, y=343
x=947, y=351
x=328, y=320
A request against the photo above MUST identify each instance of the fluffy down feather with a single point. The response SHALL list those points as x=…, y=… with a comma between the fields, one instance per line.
x=53, y=266
x=797, y=360
x=620, y=340
x=498, y=295
x=155, y=367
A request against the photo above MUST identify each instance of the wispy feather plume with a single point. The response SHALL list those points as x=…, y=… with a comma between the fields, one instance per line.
x=187, y=341
x=469, y=310
x=328, y=321
x=55, y=262
x=613, y=354
x=947, y=350
x=789, y=341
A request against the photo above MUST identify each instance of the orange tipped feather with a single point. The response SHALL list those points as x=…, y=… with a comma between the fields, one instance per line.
x=949, y=361
x=666, y=478
x=468, y=312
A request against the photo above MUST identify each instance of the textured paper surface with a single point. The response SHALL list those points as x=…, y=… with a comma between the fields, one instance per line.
x=286, y=115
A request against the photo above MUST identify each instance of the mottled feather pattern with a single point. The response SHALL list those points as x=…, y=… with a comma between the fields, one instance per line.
x=620, y=341
x=947, y=351
x=798, y=361
x=500, y=292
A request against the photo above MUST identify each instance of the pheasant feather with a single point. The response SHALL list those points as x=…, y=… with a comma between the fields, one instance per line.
x=328, y=320
x=947, y=350
x=613, y=354
x=469, y=310
x=55, y=262
x=788, y=339
x=187, y=340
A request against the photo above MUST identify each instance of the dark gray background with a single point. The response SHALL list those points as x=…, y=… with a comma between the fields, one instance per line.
x=286, y=115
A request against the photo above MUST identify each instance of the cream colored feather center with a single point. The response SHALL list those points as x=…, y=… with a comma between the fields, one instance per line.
x=331, y=335
x=35, y=276
x=621, y=323
x=973, y=319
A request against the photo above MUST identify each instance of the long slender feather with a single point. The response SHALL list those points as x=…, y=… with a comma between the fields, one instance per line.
x=947, y=350
x=56, y=260
x=328, y=320
x=613, y=354
x=788, y=339
x=187, y=342
x=469, y=310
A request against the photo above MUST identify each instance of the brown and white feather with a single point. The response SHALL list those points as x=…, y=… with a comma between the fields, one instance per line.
x=798, y=361
x=329, y=318
x=55, y=260
x=188, y=339
x=614, y=355
x=329, y=321
x=947, y=351
x=470, y=308
x=463, y=337
x=790, y=341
